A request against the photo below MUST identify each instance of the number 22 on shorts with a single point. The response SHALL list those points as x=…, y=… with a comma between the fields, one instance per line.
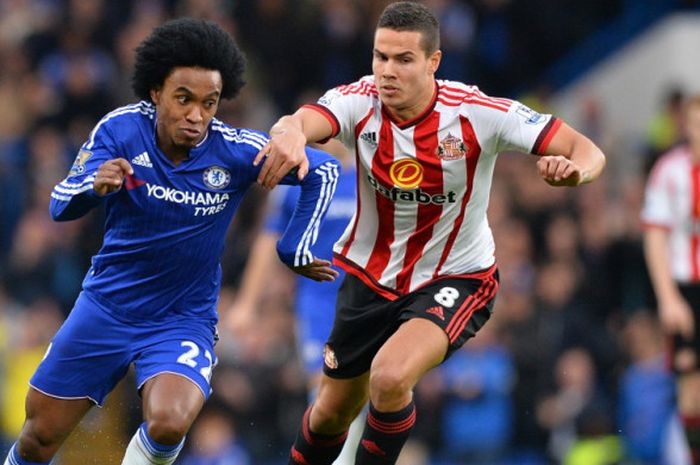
x=188, y=358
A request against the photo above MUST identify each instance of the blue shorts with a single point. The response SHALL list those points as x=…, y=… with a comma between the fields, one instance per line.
x=92, y=351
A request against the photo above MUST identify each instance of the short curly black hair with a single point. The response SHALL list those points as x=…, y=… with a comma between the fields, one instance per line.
x=190, y=43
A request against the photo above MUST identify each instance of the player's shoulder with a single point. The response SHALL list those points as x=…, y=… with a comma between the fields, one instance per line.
x=363, y=87
x=676, y=160
x=124, y=123
x=129, y=115
x=237, y=139
x=459, y=94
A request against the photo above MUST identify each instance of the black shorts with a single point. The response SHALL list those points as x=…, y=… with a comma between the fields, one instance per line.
x=364, y=320
x=691, y=293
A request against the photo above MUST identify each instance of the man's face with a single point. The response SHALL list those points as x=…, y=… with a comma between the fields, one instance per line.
x=185, y=105
x=404, y=75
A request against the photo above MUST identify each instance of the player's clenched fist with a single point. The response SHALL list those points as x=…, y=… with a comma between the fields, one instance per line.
x=110, y=175
x=559, y=171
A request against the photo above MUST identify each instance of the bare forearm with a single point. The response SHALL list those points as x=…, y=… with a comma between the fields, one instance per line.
x=309, y=123
x=287, y=123
x=658, y=264
x=589, y=157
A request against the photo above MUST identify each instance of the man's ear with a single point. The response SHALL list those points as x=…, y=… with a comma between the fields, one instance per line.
x=434, y=61
x=155, y=95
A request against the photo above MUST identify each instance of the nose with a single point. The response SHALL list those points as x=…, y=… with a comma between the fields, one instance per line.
x=194, y=115
x=388, y=69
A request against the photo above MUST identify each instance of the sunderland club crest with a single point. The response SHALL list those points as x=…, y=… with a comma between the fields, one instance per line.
x=451, y=148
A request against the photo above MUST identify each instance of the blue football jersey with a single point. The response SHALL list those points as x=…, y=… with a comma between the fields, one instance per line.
x=308, y=292
x=165, y=228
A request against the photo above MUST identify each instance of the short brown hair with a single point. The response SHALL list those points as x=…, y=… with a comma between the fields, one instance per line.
x=413, y=16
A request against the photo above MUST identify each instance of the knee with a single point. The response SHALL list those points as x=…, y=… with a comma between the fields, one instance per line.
x=167, y=427
x=330, y=419
x=390, y=389
x=38, y=442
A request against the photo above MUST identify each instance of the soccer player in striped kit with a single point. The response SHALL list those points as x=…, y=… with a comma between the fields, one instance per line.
x=671, y=219
x=419, y=253
x=171, y=177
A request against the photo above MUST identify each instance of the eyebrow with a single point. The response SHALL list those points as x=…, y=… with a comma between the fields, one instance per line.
x=407, y=53
x=215, y=93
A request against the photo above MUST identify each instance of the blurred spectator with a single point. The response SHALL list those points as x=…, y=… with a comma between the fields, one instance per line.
x=577, y=407
x=666, y=127
x=213, y=441
x=647, y=392
x=476, y=383
x=457, y=31
x=32, y=329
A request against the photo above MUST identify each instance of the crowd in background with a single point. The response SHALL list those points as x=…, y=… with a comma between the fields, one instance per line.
x=572, y=363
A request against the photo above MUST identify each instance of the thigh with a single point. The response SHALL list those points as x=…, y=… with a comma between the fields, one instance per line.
x=182, y=348
x=88, y=355
x=50, y=419
x=363, y=322
x=459, y=305
x=416, y=347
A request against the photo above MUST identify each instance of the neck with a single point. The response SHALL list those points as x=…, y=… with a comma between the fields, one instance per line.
x=176, y=154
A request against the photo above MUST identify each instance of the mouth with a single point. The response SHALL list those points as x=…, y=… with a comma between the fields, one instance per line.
x=191, y=133
x=390, y=90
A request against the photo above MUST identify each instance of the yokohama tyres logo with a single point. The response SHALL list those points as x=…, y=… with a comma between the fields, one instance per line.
x=406, y=173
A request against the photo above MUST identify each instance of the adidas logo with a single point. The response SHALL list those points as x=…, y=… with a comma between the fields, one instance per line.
x=142, y=159
x=437, y=311
x=369, y=137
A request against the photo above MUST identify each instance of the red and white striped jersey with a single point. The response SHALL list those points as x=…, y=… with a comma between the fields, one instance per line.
x=423, y=185
x=672, y=202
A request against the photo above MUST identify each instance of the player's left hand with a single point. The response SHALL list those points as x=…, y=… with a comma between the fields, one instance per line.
x=318, y=270
x=558, y=170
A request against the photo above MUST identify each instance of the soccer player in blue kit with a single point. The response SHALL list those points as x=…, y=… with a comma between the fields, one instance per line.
x=171, y=177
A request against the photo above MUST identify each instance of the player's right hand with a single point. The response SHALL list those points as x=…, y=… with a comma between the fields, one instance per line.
x=677, y=317
x=110, y=176
x=283, y=153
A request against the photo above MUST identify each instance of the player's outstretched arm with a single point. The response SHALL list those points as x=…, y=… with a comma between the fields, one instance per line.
x=317, y=190
x=570, y=159
x=285, y=150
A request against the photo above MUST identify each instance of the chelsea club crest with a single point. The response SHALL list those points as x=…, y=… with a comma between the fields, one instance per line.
x=216, y=177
